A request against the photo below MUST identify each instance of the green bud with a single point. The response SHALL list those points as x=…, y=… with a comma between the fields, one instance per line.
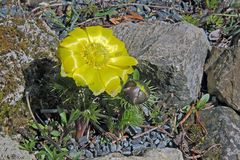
x=136, y=92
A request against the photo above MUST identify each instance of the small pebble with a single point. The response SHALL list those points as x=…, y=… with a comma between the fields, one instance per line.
x=161, y=145
x=137, y=141
x=119, y=148
x=135, y=130
x=127, y=151
x=83, y=140
x=125, y=143
x=147, y=144
x=88, y=154
x=91, y=145
x=157, y=141
x=113, y=147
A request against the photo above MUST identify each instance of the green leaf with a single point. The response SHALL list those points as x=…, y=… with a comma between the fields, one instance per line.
x=202, y=102
x=136, y=75
x=36, y=125
x=109, y=12
x=186, y=108
x=49, y=152
x=131, y=116
x=74, y=116
x=63, y=117
x=55, y=133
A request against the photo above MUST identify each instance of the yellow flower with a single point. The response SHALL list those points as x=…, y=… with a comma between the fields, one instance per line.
x=94, y=57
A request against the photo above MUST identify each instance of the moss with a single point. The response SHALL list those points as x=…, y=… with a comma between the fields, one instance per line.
x=13, y=117
x=195, y=133
x=9, y=37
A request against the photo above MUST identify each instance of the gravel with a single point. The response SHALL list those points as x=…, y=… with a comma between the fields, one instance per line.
x=128, y=146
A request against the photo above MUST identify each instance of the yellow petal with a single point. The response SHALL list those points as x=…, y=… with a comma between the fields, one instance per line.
x=62, y=73
x=122, y=72
x=84, y=75
x=111, y=81
x=116, y=47
x=64, y=53
x=98, y=34
x=78, y=33
x=77, y=40
x=97, y=86
x=122, y=61
x=71, y=63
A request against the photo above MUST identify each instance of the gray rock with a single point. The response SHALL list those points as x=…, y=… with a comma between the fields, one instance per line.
x=83, y=140
x=135, y=129
x=9, y=149
x=113, y=147
x=127, y=151
x=161, y=144
x=153, y=154
x=157, y=141
x=119, y=148
x=137, y=149
x=223, y=75
x=137, y=141
x=125, y=143
x=171, y=55
x=88, y=154
x=223, y=128
x=35, y=40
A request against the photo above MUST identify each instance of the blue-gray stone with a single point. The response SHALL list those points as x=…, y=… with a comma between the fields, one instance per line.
x=148, y=139
x=97, y=146
x=70, y=147
x=113, y=147
x=88, y=154
x=94, y=153
x=125, y=143
x=157, y=141
x=91, y=145
x=147, y=144
x=83, y=140
x=137, y=141
x=137, y=149
x=119, y=148
x=163, y=136
x=127, y=151
x=135, y=129
x=161, y=144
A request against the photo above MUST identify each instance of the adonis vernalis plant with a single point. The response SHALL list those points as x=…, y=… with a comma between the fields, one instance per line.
x=94, y=57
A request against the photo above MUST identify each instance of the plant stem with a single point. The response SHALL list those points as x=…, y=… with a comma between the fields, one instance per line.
x=187, y=115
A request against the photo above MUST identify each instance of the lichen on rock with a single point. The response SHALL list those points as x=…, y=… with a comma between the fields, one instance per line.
x=22, y=42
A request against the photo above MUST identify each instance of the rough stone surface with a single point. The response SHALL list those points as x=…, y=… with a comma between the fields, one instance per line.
x=9, y=150
x=172, y=56
x=34, y=41
x=153, y=154
x=223, y=76
x=223, y=128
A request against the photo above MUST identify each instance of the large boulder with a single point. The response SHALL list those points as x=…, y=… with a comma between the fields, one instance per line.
x=21, y=42
x=9, y=149
x=153, y=154
x=223, y=128
x=171, y=55
x=223, y=75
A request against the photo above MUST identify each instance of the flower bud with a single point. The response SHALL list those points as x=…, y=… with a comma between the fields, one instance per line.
x=136, y=92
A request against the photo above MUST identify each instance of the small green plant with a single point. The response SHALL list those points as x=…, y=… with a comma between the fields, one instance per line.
x=49, y=141
x=200, y=104
x=212, y=4
x=190, y=19
x=215, y=21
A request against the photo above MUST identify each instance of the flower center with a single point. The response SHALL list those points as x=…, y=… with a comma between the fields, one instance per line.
x=96, y=55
